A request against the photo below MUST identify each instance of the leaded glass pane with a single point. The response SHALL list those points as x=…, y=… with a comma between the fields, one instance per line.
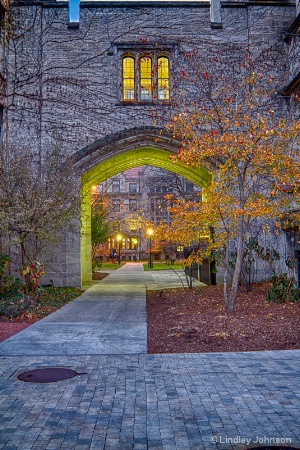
x=163, y=78
x=146, y=78
x=128, y=78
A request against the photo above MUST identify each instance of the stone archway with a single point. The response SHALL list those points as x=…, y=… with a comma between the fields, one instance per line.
x=119, y=152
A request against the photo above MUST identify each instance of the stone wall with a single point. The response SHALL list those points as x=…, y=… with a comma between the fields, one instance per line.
x=64, y=81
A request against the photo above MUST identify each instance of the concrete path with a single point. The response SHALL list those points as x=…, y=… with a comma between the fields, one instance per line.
x=109, y=318
x=127, y=401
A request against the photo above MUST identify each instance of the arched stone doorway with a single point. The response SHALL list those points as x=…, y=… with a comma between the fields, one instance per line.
x=119, y=152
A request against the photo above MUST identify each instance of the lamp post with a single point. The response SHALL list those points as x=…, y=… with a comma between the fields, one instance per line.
x=119, y=240
x=134, y=244
x=150, y=234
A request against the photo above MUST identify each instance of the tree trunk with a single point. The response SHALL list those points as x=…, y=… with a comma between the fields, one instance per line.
x=226, y=274
x=229, y=305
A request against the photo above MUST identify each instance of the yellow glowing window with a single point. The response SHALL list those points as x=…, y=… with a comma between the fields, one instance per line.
x=128, y=78
x=146, y=78
x=163, y=78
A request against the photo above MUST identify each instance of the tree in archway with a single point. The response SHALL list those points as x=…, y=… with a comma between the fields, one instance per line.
x=230, y=123
x=99, y=225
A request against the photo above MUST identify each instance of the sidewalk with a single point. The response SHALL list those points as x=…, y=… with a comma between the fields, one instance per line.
x=134, y=400
x=109, y=318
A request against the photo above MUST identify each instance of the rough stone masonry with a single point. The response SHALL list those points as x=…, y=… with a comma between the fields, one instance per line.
x=64, y=79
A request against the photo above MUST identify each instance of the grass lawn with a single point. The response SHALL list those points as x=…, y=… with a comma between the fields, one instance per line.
x=163, y=266
x=110, y=266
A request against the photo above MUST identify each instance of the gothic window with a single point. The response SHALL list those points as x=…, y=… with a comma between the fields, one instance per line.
x=145, y=77
x=128, y=78
x=163, y=82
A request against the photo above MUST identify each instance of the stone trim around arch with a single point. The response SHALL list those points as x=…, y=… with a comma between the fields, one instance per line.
x=122, y=141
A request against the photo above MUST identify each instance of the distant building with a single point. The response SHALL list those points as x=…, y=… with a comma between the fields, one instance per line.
x=138, y=198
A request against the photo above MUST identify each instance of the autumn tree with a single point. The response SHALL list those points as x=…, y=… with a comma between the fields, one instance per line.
x=99, y=223
x=39, y=202
x=229, y=121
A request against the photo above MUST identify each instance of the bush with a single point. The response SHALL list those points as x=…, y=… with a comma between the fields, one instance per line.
x=12, y=305
x=13, y=301
x=282, y=289
x=12, y=285
x=4, y=260
x=96, y=263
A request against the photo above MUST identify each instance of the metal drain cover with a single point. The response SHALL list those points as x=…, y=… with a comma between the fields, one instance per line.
x=273, y=448
x=47, y=375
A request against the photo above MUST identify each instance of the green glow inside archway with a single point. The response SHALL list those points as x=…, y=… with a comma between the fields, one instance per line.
x=143, y=156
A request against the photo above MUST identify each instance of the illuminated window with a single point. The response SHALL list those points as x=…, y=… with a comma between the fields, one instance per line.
x=128, y=78
x=145, y=78
x=163, y=82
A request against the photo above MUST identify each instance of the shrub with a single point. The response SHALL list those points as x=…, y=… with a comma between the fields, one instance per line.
x=12, y=285
x=282, y=289
x=12, y=305
x=32, y=273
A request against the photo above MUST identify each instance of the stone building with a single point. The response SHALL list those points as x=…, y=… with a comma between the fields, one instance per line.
x=84, y=81
x=138, y=199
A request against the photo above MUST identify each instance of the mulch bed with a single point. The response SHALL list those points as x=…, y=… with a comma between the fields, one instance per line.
x=9, y=327
x=194, y=321
x=96, y=276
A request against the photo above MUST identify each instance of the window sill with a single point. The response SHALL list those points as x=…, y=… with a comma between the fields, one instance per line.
x=143, y=103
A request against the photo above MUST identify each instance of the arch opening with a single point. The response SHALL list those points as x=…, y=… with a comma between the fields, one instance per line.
x=110, y=165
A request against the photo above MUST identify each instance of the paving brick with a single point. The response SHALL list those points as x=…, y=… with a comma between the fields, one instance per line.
x=142, y=402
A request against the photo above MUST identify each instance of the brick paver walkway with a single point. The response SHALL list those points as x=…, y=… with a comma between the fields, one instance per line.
x=208, y=401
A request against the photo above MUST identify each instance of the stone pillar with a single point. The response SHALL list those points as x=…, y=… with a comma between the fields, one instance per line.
x=86, y=237
x=215, y=14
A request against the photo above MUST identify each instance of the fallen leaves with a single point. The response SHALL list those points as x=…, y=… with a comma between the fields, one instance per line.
x=185, y=322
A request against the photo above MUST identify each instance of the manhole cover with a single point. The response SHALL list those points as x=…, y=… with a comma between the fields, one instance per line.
x=273, y=448
x=47, y=375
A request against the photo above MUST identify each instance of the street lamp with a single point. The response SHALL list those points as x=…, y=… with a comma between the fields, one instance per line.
x=134, y=247
x=150, y=234
x=119, y=240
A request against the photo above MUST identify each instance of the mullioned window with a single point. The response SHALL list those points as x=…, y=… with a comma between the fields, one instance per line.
x=145, y=77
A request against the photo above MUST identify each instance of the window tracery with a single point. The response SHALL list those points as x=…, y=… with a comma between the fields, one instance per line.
x=145, y=77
